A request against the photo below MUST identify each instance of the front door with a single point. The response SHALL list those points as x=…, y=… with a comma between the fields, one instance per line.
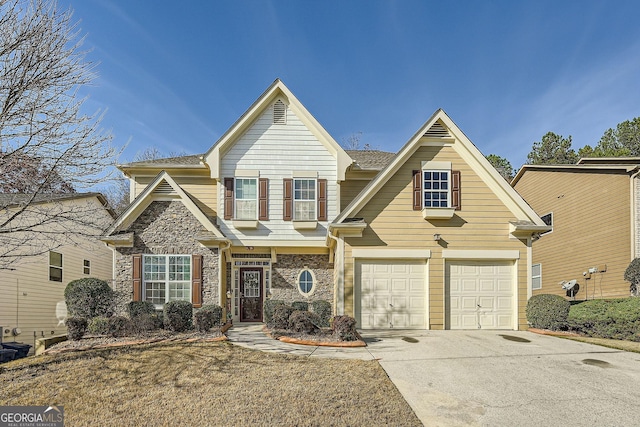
x=251, y=295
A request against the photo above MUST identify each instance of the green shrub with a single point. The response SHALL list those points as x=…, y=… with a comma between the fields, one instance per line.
x=136, y=308
x=300, y=305
x=178, y=315
x=207, y=317
x=76, y=327
x=548, y=312
x=280, y=318
x=89, y=298
x=304, y=321
x=119, y=326
x=146, y=322
x=324, y=311
x=615, y=319
x=344, y=328
x=269, y=306
x=99, y=325
x=632, y=275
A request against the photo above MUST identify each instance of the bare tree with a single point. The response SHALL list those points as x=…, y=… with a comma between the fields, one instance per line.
x=42, y=126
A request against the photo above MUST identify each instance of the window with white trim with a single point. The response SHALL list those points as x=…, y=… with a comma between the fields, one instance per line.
x=436, y=185
x=536, y=276
x=166, y=278
x=306, y=282
x=246, y=199
x=55, y=266
x=304, y=199
x=86, y=266
x=547, y=219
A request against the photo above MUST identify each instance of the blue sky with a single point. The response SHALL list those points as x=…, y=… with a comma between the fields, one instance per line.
x=176, y=75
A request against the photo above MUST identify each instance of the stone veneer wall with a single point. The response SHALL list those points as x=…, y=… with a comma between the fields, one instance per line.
x=284, y=278
x=167, y=227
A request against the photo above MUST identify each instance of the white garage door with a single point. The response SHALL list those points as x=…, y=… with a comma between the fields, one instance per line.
x=480, y=295
x=392, y=294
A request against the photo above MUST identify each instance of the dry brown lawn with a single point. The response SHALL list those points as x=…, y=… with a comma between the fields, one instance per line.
x=205, y=384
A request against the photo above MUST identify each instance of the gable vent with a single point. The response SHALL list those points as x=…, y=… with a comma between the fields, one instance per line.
x=437, y=131
x=279, y=113
x=164, y=188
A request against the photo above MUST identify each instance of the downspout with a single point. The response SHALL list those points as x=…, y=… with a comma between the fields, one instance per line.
x=634, y=215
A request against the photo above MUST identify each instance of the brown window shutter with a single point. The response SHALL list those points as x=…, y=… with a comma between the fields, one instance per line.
x=456, y=201
x=136, y=275
x=322, y=200
x=228, y=198
x=417, y=190
x=263, y=199
x=287, y=213
x=196, y=281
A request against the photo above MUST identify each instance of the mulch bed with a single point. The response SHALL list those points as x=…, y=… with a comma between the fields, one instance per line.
x=322, y=339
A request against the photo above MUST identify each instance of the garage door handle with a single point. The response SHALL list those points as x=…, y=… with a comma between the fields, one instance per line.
x=479, y=306
x=390, y=305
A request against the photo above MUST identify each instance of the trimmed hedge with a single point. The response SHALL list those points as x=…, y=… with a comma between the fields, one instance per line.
x=145, y=322
x=136, y=308
x=300, y=305
x=269, y=307
x=178, y=316
x=304, y=321
x=344, y=328
x=324, y=311
x=119, y=326
x=207, y=317
x=280, y=318
x=547, y=311
x=76, y=327
x=89, y=298
x=99, y=325
x=615, y=319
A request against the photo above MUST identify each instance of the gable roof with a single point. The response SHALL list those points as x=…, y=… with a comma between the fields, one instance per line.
x=370, y=159
x=163, y=187
x=277, y=89
x=594, y=166
x=437, y=129
x=188, y=160
x=9, y=200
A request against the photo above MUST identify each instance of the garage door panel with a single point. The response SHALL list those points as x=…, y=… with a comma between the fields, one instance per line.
x=392, y=293
x=480, y=293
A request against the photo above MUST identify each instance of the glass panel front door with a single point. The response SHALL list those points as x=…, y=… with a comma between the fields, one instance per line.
x=250, y=295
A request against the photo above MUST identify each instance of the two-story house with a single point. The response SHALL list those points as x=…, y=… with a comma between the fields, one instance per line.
x=277, y=209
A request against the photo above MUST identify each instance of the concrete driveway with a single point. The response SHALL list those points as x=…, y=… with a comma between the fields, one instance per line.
x=508, y=378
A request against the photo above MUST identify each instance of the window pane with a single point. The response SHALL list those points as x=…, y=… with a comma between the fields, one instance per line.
x=155, y=292
x=304, y=199
x=55, y=259
x=435, y=187
x=246, y=209
x=305, y=211
x=306, y=282
x=246, y=188
x=55, y=274
x=180, y=291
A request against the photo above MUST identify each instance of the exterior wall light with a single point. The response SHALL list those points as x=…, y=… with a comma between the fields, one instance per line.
x=437, y=237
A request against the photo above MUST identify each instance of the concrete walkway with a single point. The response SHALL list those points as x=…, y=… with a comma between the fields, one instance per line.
x=494, y=378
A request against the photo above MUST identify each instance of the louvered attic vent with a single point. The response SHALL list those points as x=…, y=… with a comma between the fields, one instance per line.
x=164, y=188
x=279, y=113
x=437, y=131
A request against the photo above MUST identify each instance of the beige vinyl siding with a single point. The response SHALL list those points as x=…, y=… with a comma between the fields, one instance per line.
x=592, y=225
x=28, y=298
x=353, y=185
x=202, y=189
x=482, y=224
x=277, y=151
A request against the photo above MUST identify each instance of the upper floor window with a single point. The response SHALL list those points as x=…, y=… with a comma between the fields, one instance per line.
x=246, y=202
x=304, y=199
x=86, y=267
x=55, y=266
x=166, y=278
x=436, y=186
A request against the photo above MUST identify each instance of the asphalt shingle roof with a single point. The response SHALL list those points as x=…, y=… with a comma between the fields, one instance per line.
x=371, y=159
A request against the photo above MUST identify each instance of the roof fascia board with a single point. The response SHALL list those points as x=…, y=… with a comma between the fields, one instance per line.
x=146, y=197
x=213, y=156
x=469, y=153
x=572, y=167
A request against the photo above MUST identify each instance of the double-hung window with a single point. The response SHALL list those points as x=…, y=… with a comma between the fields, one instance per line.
x=304, y=199
x=246, y=195
x=167, y=278
x=536, y=276
x=437, y=188
x=55, y=266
